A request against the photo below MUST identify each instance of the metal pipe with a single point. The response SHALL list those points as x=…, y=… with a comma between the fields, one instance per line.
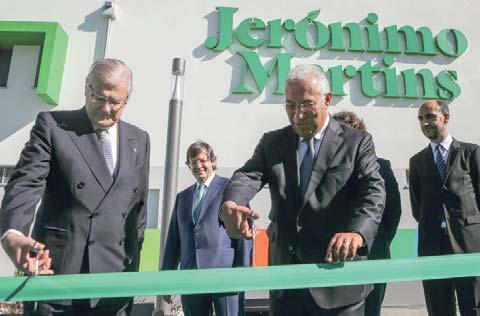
x=171, y=159
x=109, y=14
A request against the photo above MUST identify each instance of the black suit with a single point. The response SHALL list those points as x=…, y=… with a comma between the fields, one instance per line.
x=90, y=221
x=457, y=199
x=386, y=233
x=345, y=193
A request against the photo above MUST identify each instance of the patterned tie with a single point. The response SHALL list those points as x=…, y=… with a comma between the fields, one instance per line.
x=307, y=164
x=106, y=146
x=197, y=202
x=441, y=165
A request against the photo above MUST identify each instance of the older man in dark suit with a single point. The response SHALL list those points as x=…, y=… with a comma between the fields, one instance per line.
x=90, y=170
x=445, y=198
x=197, y=241
x=327, y=195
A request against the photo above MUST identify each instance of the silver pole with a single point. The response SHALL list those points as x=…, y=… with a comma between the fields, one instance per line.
x=171, y=159
x=110, y=14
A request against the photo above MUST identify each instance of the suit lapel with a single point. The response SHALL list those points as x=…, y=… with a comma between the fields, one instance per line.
x=431, y=167
x=189, y=203
x=289, y=152
x=452, y=156
x=209, y=197
x=86, y=140
x=127, y=150
x=330, y=143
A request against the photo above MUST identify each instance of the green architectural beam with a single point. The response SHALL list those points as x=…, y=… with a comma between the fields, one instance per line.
x=53, y=40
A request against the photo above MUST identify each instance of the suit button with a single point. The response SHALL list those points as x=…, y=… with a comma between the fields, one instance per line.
x=135, y=190
x=94, y=214
x=91, y=242
x=80, y=185
x=124, y=214
x=121, y=242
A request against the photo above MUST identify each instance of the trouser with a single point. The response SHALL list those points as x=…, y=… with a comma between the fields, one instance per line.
x=301, y=303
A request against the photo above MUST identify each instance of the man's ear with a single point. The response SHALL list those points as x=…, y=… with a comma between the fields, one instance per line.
x=328, y=98
x=446, y=117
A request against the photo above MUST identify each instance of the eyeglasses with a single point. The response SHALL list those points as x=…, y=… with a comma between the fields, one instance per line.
x=193, y=163
x=306, y=105
x=114, y=104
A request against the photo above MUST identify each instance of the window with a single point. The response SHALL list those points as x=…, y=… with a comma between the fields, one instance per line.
x=5, y=60
x=5, y=172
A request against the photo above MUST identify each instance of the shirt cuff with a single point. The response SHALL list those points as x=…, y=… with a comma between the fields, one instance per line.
x=13, y=231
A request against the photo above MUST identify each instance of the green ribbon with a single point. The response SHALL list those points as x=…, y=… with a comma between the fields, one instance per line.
x=236, y=279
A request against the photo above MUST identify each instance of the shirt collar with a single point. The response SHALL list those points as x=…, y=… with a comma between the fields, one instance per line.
x=445, y=143
x=111, y=130
x=319, y=135
x=206, y=183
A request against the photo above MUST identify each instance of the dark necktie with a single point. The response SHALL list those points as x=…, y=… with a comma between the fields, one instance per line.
x=106, y=146
x=441, y=165
x=307, y=164
x=197, y=202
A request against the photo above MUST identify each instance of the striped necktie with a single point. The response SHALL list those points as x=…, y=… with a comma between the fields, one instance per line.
x=440, y=161
x=307, y=164
x=106, y=146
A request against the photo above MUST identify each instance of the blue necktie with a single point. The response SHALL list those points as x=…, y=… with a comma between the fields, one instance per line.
x=197, y=202
x=441, y=165
x=307, y=164
x=106, y=146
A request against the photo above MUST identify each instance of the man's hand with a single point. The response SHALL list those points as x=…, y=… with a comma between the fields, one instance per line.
x=235, y=218
x=343, y=247
x=167, y=299
x=27, y=254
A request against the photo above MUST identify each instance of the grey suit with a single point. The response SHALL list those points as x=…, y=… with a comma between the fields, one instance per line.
x=86, y=217
x=458, y=199
x=345, y=193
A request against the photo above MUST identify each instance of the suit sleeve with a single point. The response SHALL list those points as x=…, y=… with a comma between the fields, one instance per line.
x=414, y=189
x=142, y=212
x=249, y=179
x=369, y=200
x=475, y=173
x=27, y=182
x=393, y=208
x=171, y=253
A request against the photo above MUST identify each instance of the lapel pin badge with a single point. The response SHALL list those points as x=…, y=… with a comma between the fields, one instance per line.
x=134, y=149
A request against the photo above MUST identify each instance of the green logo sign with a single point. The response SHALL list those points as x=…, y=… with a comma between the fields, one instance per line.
x=53, y=41
x=253, y=33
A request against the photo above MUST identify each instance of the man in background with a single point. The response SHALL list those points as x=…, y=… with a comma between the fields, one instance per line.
x=196, y=240
x=390, y=218
x=90, y=170
x=445, y=198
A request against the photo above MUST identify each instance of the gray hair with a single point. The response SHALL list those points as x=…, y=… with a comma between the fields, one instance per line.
x=110, y=71
x=301, y=72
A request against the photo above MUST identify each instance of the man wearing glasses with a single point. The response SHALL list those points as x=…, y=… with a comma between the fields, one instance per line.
x=90, y=170
x=197, y=241
x=327, y=196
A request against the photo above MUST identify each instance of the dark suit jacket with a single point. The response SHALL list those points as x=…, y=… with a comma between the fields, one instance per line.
x=345, y=193
x=81, y=205
x=206, y=243
x=391, y=214
x=458, y=197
